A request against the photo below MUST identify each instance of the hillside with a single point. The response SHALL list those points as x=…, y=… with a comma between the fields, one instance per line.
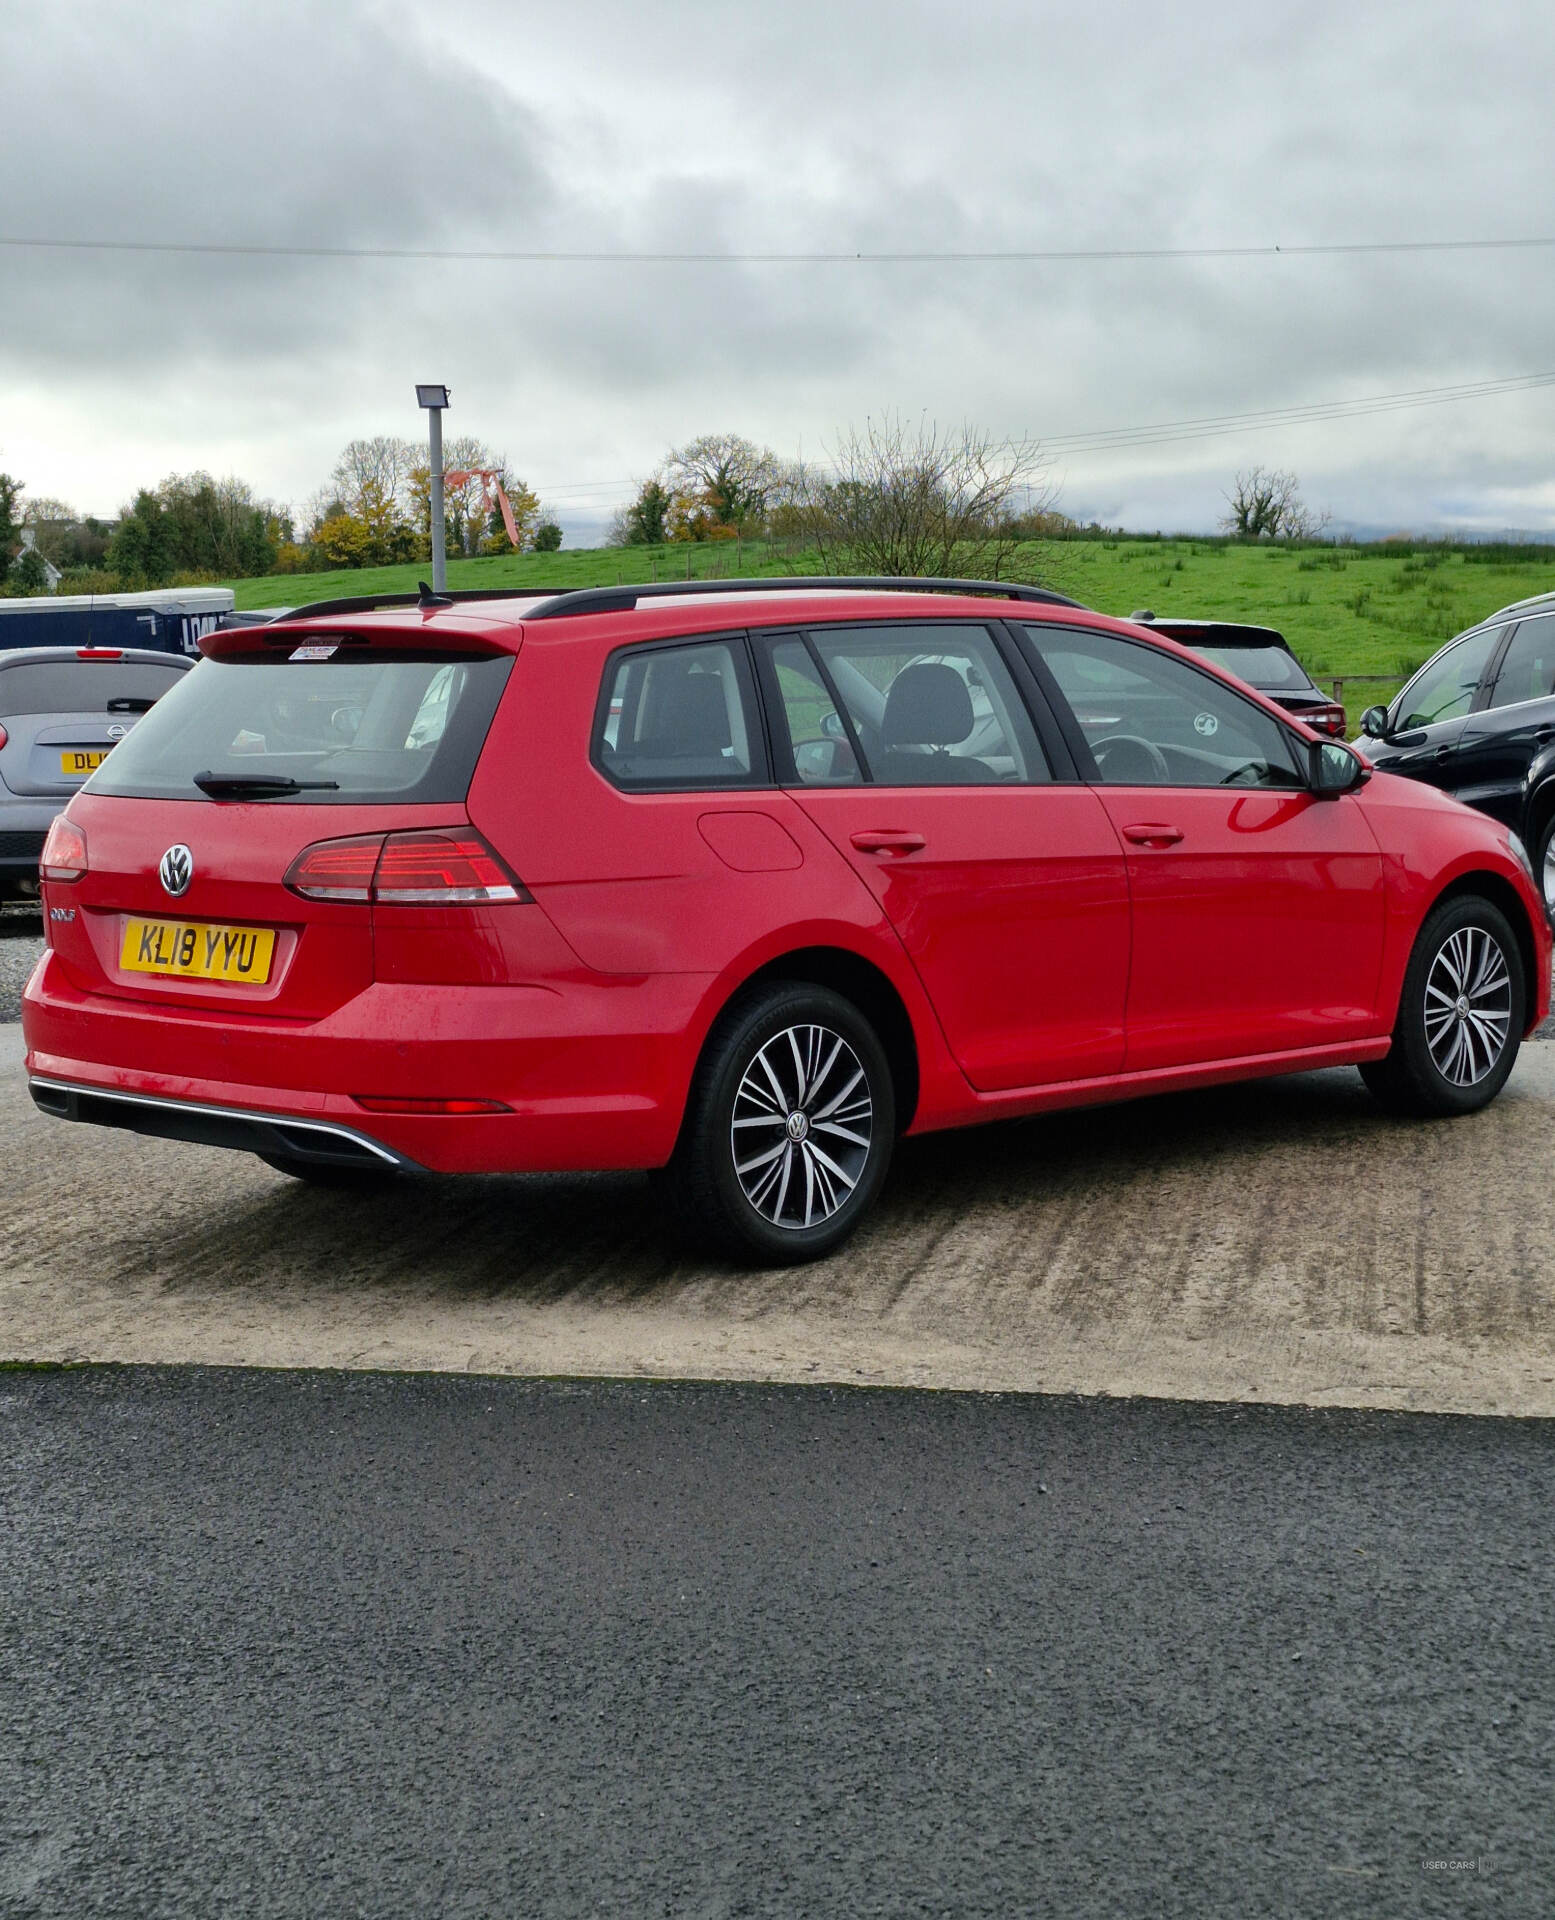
x=1353, y=611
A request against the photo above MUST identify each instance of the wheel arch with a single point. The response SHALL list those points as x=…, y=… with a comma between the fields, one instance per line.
x=1501, y=894
x=869, y=988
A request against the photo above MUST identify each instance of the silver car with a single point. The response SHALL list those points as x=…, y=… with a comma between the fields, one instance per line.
x=62, y=709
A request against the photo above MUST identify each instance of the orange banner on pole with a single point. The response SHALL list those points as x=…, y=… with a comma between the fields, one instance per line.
x=491, y=486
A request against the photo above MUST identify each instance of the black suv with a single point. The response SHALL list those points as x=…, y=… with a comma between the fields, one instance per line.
x=1478, y=720
x=1260, y=656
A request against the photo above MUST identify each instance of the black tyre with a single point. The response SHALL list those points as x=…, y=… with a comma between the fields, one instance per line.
x=320, y=1173
x=1460, y=1017
x=788, y=1130
x=1544, y=864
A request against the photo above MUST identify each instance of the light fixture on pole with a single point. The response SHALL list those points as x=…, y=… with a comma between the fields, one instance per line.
x=434, y=399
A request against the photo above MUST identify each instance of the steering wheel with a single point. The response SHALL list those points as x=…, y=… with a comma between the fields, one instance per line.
x=1234, y=777
x=1125, y=759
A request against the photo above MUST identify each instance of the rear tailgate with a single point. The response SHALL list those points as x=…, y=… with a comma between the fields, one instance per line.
x=270, y=951
x=194, y=821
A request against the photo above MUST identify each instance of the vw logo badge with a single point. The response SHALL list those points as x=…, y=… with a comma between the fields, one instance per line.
x=177, y=870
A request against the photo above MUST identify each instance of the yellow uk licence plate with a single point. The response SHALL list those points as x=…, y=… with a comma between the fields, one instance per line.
x=195, y=949
x=78, y=762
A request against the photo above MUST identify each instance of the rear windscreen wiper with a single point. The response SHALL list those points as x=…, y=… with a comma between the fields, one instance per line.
x=257, y=786
x=130, y=703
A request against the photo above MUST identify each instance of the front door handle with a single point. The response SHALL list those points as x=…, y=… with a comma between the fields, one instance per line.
x=1153, y=833
x=888, y=840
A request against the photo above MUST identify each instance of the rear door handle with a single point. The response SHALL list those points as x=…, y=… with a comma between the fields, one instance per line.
x=888, y=840
x=1153, y=833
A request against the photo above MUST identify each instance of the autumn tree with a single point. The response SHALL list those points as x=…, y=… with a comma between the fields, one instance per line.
x=719, y=486
x=912, y=498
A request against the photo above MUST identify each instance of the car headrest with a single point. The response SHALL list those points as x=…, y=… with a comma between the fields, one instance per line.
x=928, y=706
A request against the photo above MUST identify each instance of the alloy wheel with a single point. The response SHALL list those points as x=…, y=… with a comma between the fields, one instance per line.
x=1468, y=1006
x=802, y=1126
x=1547, y=878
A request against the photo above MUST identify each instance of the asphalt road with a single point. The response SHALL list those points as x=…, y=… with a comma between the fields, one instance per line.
x=300, y=1644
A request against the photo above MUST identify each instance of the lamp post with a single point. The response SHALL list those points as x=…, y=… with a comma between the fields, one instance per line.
x=434, y=399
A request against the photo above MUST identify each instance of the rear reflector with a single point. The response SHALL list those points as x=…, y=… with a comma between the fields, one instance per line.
x=450, y=867
x=64, y=851
x=375, y=1103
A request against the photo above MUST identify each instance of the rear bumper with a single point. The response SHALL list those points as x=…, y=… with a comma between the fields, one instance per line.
x=593, y=1071
x=317, y=1142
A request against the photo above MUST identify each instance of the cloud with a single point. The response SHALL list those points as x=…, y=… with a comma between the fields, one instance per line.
x=917, y=126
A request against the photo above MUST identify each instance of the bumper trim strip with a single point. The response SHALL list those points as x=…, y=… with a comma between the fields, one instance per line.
x=322, y=1142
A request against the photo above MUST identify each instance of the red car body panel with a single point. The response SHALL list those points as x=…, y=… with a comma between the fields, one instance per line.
x=1046, y=952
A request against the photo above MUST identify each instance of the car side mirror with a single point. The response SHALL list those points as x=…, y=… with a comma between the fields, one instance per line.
x=1374, y=723
x=1335, y=769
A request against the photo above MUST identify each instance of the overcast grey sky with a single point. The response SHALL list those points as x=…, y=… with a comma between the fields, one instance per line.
x=843, y=125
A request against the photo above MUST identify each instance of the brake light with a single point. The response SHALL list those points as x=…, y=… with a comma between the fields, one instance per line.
x=99, y=653
x=336, y=869
x=1328, y=719
x=64, y=851
x=430, y=868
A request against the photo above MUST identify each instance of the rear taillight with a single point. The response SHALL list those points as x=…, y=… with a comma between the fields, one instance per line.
x=336, y=869
x=430, y=868
x=1328, y=719
x=4, y=736
x=64, y=851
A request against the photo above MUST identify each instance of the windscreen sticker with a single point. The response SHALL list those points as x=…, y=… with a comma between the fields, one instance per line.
x=315, y=652
x=1204, y=723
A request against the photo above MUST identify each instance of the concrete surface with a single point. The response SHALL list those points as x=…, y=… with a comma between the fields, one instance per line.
x=319, y=1645
x=1281, y=1242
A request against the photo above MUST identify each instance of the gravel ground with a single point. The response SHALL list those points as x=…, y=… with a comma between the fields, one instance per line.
x=21, y=941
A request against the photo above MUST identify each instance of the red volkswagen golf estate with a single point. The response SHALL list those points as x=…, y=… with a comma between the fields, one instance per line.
x=738, y=884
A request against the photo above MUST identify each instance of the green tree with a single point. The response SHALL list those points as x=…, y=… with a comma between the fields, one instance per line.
x=28, y=573
x=645, y=523
x=141, y=552
x=720, y=484
x=546, y=538
x=10, y=524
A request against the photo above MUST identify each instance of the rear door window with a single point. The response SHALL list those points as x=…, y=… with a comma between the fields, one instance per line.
x=679, y=717
x=376, y=727
x=924, y=704
x=1528, y=666
x=69, y=685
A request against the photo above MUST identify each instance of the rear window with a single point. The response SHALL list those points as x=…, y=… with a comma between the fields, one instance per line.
x=85, y=686
x=389, y=727
x=1270, y=669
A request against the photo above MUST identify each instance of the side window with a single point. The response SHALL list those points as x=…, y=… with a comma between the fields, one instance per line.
x=677, y=717
x=929, y=704
x=817, y=737
x=1445, y=689
x=1528, y=671
x=1151, y=720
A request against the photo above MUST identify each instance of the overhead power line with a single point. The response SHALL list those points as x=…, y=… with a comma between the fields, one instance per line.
x=1212, y=426
x=1269, y=250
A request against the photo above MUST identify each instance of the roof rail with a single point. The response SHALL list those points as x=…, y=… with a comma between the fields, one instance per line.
x=622, y=599
x=371, y=602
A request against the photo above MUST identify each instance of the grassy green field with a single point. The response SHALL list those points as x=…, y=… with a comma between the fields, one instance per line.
x=1369, y=614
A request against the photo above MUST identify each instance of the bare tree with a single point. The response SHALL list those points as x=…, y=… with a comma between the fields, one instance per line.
x=383, y=463
x=1266, y=504
x=911, y=498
